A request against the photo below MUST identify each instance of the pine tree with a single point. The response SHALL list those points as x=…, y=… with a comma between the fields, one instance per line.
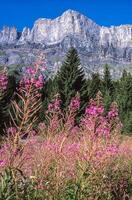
x=107, y=81
x=94, y=85
x=124, y=96
x=84, y=98
x=107, y=88
x=124, y=100
x=70, y=78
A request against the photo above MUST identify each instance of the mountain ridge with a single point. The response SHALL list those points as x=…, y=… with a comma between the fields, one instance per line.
x=100, y=44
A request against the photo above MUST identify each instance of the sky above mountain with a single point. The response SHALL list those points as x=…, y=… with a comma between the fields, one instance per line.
x=21, y=13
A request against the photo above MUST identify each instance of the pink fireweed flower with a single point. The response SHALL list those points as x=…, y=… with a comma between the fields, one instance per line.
x=2, y=163
x=95, y=121
x=75, y=103
x=11, y=130
x=30, y=71
x=94, y=110
x=113, y=113
x=32, y=77
x=103, y=131
x=57, y=104
x=25, y=82
x=3, y=82
x=54, y=106
x=28, y=81
x=100, y=109
x=50, y=107
x=39, y=82
x=112, y=149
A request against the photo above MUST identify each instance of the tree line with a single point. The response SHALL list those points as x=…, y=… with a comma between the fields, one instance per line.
x=71, y=80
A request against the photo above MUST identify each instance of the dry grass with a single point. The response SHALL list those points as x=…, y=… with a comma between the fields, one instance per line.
x=127, y=142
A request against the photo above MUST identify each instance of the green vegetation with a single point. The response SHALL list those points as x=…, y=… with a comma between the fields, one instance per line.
x=59, y=157
x=70, y=79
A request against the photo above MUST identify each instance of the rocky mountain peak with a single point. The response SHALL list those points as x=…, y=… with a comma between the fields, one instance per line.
x=8, y=35
x=25, y=36
x=75, y=15
x=96, y=44
x=69, y=23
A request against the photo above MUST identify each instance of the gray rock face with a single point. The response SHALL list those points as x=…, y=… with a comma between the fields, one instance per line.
x=70, y=23
x=96, y=45
x=8, y=35
x=25, y=36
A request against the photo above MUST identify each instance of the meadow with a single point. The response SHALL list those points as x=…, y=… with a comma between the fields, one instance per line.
x=59, y=158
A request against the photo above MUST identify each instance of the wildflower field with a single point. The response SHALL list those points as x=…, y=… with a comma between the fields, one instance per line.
x=60, y=158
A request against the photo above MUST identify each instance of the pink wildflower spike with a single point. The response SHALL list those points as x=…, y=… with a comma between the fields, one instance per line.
x=112, y=149
x=32, y=77
x=50, y=107
x=3, y=81
x=75, y=103
x=103, y=131
x=113, y=113
x=40, y=81
x=100, y=110
x=94, y=110
x=39, y=84
x=11, y=130
x=30, y=71
x=2, y=163
x=55, y=105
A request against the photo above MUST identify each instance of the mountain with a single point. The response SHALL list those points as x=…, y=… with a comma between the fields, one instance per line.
x=97, y=45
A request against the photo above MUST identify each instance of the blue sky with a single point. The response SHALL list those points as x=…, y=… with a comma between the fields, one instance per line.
x=21, y=13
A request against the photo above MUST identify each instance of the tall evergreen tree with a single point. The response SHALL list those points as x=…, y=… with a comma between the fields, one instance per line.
x=107, y=88
x=94, y=85
x=124, y=100
x=84, y=96
x=107, y=81
x=70, y=78
x=124, y=96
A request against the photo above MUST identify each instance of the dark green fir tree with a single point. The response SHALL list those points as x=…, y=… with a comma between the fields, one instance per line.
x=124, y=100
x=108, y=86
x=70, y=78
x=94, y=85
